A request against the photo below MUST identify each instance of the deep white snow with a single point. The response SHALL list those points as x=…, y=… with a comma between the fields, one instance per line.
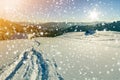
x=72, y=56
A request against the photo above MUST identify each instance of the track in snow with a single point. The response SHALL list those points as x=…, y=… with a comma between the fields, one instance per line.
x=32, y=66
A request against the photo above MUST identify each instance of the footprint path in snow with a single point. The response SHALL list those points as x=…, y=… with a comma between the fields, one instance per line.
x=32, y=66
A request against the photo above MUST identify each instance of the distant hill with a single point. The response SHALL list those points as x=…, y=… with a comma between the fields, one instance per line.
x=52, y=29
x=8, y=28
x=114, y=26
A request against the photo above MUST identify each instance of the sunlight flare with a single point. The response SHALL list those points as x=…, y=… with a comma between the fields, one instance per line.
x=94, y=15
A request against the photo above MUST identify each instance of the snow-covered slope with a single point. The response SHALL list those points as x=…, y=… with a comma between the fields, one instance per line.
x=31, y=65
x=72, y=55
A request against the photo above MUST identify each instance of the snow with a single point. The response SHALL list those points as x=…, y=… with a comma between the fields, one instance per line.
x=72, y=56
x=31, y=66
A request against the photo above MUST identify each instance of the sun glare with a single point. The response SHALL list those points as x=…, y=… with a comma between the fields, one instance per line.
x=10, y=4
x=94, y=15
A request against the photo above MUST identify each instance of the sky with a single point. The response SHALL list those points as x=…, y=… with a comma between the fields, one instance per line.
x=60, y=10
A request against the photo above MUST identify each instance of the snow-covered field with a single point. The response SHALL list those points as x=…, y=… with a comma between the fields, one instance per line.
x=72, y=56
